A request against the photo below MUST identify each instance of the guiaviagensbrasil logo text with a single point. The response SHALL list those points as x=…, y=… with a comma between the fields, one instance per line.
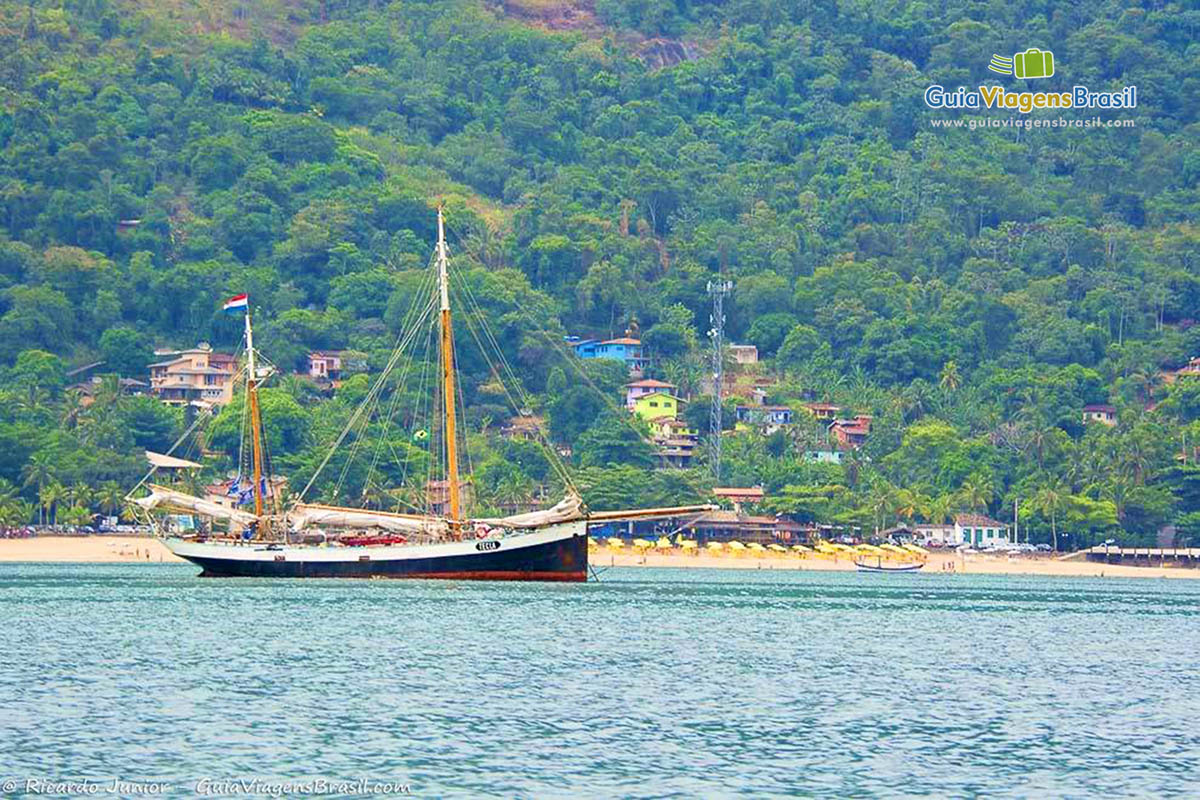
x=1030, y=64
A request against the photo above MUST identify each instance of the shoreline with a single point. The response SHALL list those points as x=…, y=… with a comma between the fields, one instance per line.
x=91, y=549
x=104, y=549
x=935, y=564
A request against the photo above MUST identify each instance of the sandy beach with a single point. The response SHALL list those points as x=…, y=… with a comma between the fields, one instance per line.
x=141, y=549
x=937, y=563
x=88, y=549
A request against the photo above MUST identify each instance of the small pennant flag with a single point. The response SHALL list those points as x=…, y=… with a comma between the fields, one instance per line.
x=237, y=303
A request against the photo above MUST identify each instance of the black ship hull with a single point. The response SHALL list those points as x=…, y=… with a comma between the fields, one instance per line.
x=555, y=555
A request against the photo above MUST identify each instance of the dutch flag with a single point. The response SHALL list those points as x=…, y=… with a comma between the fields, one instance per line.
x=237, y=303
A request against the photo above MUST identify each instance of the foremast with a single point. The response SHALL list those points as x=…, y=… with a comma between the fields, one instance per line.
x=255, y=419
x=447, y=340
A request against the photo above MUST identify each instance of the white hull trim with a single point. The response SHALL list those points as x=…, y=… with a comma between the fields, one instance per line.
x=258, y=551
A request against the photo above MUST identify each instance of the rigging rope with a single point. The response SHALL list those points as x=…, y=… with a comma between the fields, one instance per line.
x=404, y=337
x=552, y=457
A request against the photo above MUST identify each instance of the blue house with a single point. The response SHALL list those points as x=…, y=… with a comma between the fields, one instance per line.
x=624, y=349
x=584, y=348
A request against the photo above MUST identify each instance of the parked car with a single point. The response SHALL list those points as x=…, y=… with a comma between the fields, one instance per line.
x=1044, y=548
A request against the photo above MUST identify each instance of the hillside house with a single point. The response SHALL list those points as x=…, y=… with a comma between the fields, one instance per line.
x=674, y=442
x=1191, y=370
x=644, y=387
x=1100, y=412
x=325, y=365
x=437, y=496
x=625, y=349
x=197, y=377
x=770, y=418
x=744, y=353
x=851, y=432
x=657, y=405
x=823, y=456
x=87, y=390
x=527, y=427
x=826, y=412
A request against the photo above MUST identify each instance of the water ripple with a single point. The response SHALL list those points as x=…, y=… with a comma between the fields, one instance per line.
x=650, y=684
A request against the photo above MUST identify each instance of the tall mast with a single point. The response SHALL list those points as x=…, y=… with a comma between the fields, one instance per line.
x=255, y=421
x=448, y=374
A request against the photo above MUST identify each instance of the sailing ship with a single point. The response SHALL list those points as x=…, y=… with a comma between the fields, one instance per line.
x=331, y=541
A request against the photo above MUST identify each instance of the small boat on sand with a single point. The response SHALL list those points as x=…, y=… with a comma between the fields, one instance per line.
x=879, y=566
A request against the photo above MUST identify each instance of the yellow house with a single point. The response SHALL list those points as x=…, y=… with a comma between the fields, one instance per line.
x=656, y=405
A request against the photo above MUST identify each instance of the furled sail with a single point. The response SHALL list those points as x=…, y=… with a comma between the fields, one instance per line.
x=565, y=510
x=303, y=515
x=171, y=500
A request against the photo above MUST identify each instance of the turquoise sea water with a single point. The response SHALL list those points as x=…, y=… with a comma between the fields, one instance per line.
x=651, y=683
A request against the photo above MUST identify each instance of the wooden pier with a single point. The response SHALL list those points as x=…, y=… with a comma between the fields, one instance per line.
x=1145, y=556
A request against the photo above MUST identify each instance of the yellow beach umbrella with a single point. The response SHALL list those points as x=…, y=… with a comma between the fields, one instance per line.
x=916, y=548
x=687, y=544
x=664, y=544
x=891, y=548
x=736, y=545
x=799, y=548
x=756, y=547
x=616, y=543
x=642, y=544
x=715, y=546
x=777, y=548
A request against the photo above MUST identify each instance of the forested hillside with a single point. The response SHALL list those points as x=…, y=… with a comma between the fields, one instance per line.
x=971, y=290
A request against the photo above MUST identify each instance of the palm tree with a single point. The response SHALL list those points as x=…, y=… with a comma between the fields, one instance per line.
x=513, y=490
x=33, y=402
x=50, y=496
x=915, y=400
x=1136, y=453
x=8, y=492
x=80, y=494
x=1050, y=500
x=72, y=407
x=950, y=379
x=882, y=502
x=111, y=497
x=76, y=515
x=910, y=504
x=940, y=508
x=16, y=512
x=39, y=471
x=976, y=492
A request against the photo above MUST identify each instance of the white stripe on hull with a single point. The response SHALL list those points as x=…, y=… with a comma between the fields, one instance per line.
x=258, y=551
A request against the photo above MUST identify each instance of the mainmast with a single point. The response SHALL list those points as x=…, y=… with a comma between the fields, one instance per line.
x=448, y=375
x=255, y=420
